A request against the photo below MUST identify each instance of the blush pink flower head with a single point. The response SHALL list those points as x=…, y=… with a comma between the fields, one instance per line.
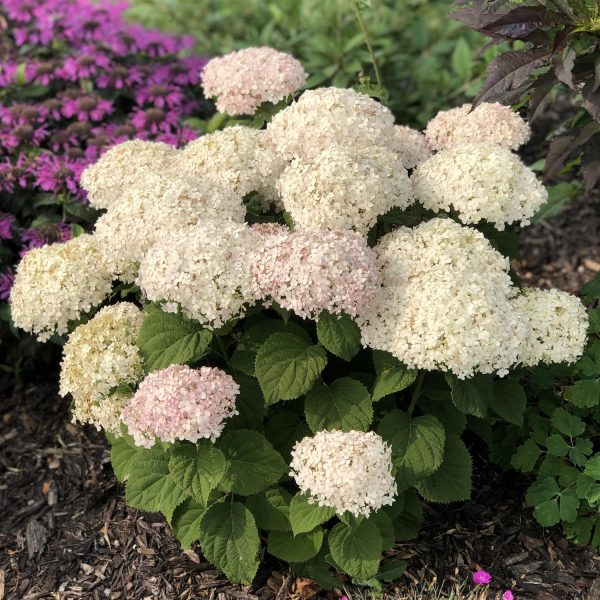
x=241, y=81
x=481, y=577
x=181, y=403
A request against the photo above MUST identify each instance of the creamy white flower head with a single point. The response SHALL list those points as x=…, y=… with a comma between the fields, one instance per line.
x=97, y=357
x=347, y=471
x=242, y=159
x=480, y=182
x=159, y=205
x=326, y=117
x=341, y=189
x=411, y=146
x=206, y=269
x=123, y=166
x=558, y=325
x=55, y=284
x=445, y=301
x=308, y=271
x=241, y=81
x=490, y=123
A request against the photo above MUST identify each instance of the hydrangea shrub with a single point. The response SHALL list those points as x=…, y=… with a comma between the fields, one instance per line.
x=289, y=355
x=75, y=79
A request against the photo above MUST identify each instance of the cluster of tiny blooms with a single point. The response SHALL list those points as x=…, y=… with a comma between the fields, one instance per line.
x=411, y=146
x=557, y=324
x=341, y=189
x=97, y=357
x=156, y=206
x=486, y=123
x=308, y=271
x=181, y=403
x=76, y=78
x=347, y=471
x=55, y=284
x=205, y=269
x=480, y=182
x=444, y=301
x=327, y=117
x=239, y=158
x=241, y=81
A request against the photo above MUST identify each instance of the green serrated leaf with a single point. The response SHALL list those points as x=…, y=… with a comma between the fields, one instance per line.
x=385, y=526
x=392, y=379
x=408, y=524
x=166, y=339
x=556, y=445
x=592, y=468
x=252, y=462
x=509, y=400
x=584, y=393
x=568, y=505
x=472, y=396
x=295, y=548
x=197, y=469
x=338, y=334
x=417, y=445
x=186, y=521
x=526, y=456
x=287, y=366
x=547, y=513
x=122, y=457
x=284, y=429
x=249, y=404
x=453, y=420
x=567, y=423
x=344, y=405
x=392, y=570
x=271, y=509
x=542, y=490
x=150, y=485
x=452, y=481
x=229, y=540
x=356, y=549
x=305, y=516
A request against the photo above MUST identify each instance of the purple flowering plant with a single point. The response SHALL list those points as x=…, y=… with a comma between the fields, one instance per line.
x=75, y=79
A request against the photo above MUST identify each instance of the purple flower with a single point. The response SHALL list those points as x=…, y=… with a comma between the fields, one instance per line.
x=88, y=63
x=55, y=174
x=120, y=76
x=36, y=237
x=154, y=121
x=6, y=282
x=92, y=108
x=508, y=595
x=481, y=577
x=22, y=135
x=6, y=224
x=19, y=10
x=162, y=96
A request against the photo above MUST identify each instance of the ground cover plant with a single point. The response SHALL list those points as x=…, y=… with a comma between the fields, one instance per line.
x=76, y=78
x=286, y=327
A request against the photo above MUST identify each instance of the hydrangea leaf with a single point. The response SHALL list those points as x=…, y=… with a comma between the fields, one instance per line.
x=252, y=462
x=122, y=457
x=509, y=400
x=167, y=338
x=284, y=429
x=417, y=445
x=305, y=516
x=249, y=404
x=198, y=469
x=151, y=486
x=295, y=548
x=408, y=523
x=392, y=570
x=271, y=509
x=229, y=540
x=584, y=393
x=453, y=420
x=385, y=526
x=392, y=379
x=356, y=549
x=186, y=521
x=452, y=481
x=567, y=423
x=526, y=456
x=472, y=396
x=287, y=366
x=344, y=405
x=338, y=334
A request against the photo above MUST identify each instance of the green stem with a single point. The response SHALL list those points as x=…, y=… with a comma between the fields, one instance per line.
x=365, y=31
x=416, y=392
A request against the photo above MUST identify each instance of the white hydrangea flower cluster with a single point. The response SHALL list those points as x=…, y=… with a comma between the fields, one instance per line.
x=206, y=269
x=123, y=166
x=241, y=81
x=309, y=271
x=479, y=182
x=56, y=284
x=98, y=356
x=557, y=324
x=340, y=189
x=491, y=123
x=347, y=471
x=444, y=301
x=411, y=146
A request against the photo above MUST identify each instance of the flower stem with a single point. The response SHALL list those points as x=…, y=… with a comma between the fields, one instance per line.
x=416, y=392
x=367, y=36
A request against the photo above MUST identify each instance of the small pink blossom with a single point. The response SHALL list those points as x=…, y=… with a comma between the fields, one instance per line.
x=481, y=577
x=508, y=595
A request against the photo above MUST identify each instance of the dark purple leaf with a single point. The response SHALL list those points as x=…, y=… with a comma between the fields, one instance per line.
x=566, y=146
x=591, y=99
x=541, y=94
x=563, y=63
x=590, y=162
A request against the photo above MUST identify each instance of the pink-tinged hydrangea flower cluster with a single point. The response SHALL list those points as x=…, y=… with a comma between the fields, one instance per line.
x=241, y=81
x=102, y=81
x=181, y=403
x=308, y=271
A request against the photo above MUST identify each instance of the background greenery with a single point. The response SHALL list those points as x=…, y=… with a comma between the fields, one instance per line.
x=428, y=62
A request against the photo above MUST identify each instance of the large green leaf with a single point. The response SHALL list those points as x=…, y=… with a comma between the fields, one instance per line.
x=249, y=404
x=229, y=540
x=284, y=429
x=356, y=549
x=417, y=445
x=344, y=405
x=567, y=423
x=122, y=457
x=584, y=393
x=271, y=509
x=198, y=469
x=151, y=486
x=509, y=400
x=339, y=334
x=167, y=338
x=392, y=378
x=472, y=396
x=287, y=366
x=252, y=462
x=452, y=481
x=408, y=524
x=186, y=521
x=305, y=516
x=295, y=548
